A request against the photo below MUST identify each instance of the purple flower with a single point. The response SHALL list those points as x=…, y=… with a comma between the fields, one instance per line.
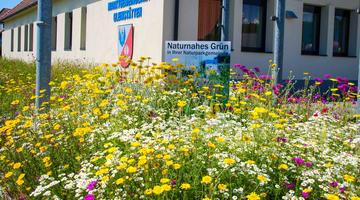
x=334, y=184
x=298, y=160
x=342, y=189
x=22, y=197
x=327, y=76
x=91, y=185
x=265, y=77
x=282, y=139
x=317, y=96
x=257, y=69
x=308, y=164
x=317, y=79
x=173, y=182
x=89, y=197
x=290, y=186
x=339, y=80
x=305, y=195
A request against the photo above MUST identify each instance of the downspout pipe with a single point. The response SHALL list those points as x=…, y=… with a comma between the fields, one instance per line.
x=176, y=20
x=279, y=41
x=43, y=54
x=225, y=20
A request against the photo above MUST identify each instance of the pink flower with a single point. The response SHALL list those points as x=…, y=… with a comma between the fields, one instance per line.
x=298, y=161
x=305, y=195
x=89, y=197
x=91, y=185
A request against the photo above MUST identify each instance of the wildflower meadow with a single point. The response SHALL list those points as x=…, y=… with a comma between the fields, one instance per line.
x=151, y=131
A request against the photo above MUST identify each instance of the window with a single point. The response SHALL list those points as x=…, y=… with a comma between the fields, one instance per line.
x=311, y=30
x=341, y=32
x=31, y=37
x=253, y=25
x=209, y=20
x=54, y=34
x=26, y=38
x=12, y=40
x=83, y=28
x=19, y=38
x=68, y=30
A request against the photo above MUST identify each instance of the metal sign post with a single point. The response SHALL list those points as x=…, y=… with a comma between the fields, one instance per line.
x=225, y=26
x=43, y=53
x=358, y=86
x=279, y=40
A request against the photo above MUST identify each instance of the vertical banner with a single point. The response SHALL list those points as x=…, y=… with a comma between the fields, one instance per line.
x=125, y=44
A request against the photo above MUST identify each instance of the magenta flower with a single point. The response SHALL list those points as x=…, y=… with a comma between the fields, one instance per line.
x=282, y=139
x=305, y=195
x=308, y=164
x=290, y=186
x=342, y=189
x=173, y=182
x=318, y=79
x=89, y=197
x=334, y=184
x=327, y=76
x=91, y=185
x=298, y=161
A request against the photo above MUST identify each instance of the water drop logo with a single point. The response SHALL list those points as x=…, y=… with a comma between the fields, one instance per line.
x=122, y=36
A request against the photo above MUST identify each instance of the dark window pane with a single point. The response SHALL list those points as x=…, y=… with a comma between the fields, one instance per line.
x=341, y=32
x=209, y=20
x=311, y=30
x=253, y=25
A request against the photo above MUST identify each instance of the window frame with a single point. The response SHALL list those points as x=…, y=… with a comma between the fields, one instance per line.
x=31, y=37
x=19, y=39
x=12, y=38
x=68, y=36
x=54, y=34
x=83, y=27
x=264, y=5
x=348, y=15
x=26, y=38
x=316, y=10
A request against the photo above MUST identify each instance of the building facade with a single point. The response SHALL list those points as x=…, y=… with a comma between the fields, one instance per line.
x=321, y=36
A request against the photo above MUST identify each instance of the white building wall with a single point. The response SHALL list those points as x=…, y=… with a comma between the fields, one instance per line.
x=317, y=65
x=101, y=37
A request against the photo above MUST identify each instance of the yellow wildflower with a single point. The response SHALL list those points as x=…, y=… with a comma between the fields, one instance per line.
x=283, y=167
x=181, y=103
x=148, y=191
x=166, y=187
x=157, y=190
x=185, y=186
x=131, y=169
x=222, y=187
x=229, y=161
x=332, y=197
x=17, y=165
x=349, y=178
x=253, y=196
x=261, y=178
x=8, y=175
x=164, y=180
x=206, y=179
x=120, y=181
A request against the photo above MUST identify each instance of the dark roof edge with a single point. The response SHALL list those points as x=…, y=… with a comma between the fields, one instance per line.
x=18, y=11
